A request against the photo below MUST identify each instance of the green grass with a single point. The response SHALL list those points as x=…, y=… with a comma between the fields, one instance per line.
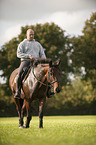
x=58, y=130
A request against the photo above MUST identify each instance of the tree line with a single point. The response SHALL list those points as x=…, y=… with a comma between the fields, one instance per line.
x=78, y=59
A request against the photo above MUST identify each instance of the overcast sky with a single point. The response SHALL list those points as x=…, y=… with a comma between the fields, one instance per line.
x=70, y=15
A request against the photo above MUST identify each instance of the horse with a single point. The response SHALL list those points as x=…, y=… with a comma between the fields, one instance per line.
x=40, y=77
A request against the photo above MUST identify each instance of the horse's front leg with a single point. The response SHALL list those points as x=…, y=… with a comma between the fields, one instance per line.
x=22, y=115
x=41, y=107
x=29, y=115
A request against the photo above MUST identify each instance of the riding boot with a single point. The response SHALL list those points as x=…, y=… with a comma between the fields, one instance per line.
x=23, y=69
x=18, y=89
x=49, y=93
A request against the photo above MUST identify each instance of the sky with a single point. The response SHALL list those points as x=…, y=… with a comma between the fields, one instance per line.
x=70, y=15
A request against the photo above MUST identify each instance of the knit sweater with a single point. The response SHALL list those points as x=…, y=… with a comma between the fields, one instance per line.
x=30, y=48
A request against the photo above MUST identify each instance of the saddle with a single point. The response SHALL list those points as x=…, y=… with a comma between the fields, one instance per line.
x=34, y=64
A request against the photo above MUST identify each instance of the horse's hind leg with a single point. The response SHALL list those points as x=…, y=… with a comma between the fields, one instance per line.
x=18, y=106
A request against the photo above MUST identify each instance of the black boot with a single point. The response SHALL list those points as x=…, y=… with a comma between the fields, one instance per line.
x=49, y=93
x=23, y=69
x=18, y=90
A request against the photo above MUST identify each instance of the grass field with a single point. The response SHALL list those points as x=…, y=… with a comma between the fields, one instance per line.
x=58, y=130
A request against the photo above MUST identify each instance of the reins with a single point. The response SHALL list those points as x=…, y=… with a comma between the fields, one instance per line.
x=40, y=81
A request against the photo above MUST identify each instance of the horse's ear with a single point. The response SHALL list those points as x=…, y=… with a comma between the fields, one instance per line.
x=58, y=62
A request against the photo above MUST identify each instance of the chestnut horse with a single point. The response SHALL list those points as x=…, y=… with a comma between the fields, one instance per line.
x=40, y=77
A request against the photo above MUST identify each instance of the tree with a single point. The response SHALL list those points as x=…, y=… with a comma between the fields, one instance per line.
x=54, y=42
x=84, y=54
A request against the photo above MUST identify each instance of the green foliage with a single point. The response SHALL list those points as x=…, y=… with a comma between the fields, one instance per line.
x=51, y=37
x=7, y=105
x=84, y=53
x=78, y=98
x=74, y=53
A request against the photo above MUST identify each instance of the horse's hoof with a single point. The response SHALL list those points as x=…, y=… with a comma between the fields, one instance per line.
x=40, y=127
x=26, y=126
x=21, y=126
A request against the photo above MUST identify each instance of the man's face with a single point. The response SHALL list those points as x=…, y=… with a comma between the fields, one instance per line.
x=30, y=34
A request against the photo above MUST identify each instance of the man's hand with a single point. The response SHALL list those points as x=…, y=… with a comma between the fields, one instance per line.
x=32, y=58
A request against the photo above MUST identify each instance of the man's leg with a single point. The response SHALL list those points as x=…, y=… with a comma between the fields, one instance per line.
x=23, y=69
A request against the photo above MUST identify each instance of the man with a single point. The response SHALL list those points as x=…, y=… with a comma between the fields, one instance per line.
x=28, y=51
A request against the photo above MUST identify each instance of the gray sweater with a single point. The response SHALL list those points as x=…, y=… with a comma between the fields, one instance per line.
x=30, y=48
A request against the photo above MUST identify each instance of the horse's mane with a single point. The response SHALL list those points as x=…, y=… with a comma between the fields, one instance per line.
x=37, y=71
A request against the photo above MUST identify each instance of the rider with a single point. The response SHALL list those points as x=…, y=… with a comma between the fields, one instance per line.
x=28, y=51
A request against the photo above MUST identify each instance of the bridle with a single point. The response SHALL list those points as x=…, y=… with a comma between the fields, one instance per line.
x=49, y=72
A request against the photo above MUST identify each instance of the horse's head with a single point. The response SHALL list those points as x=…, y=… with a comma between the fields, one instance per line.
x=51, y=72
x=54, y=76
